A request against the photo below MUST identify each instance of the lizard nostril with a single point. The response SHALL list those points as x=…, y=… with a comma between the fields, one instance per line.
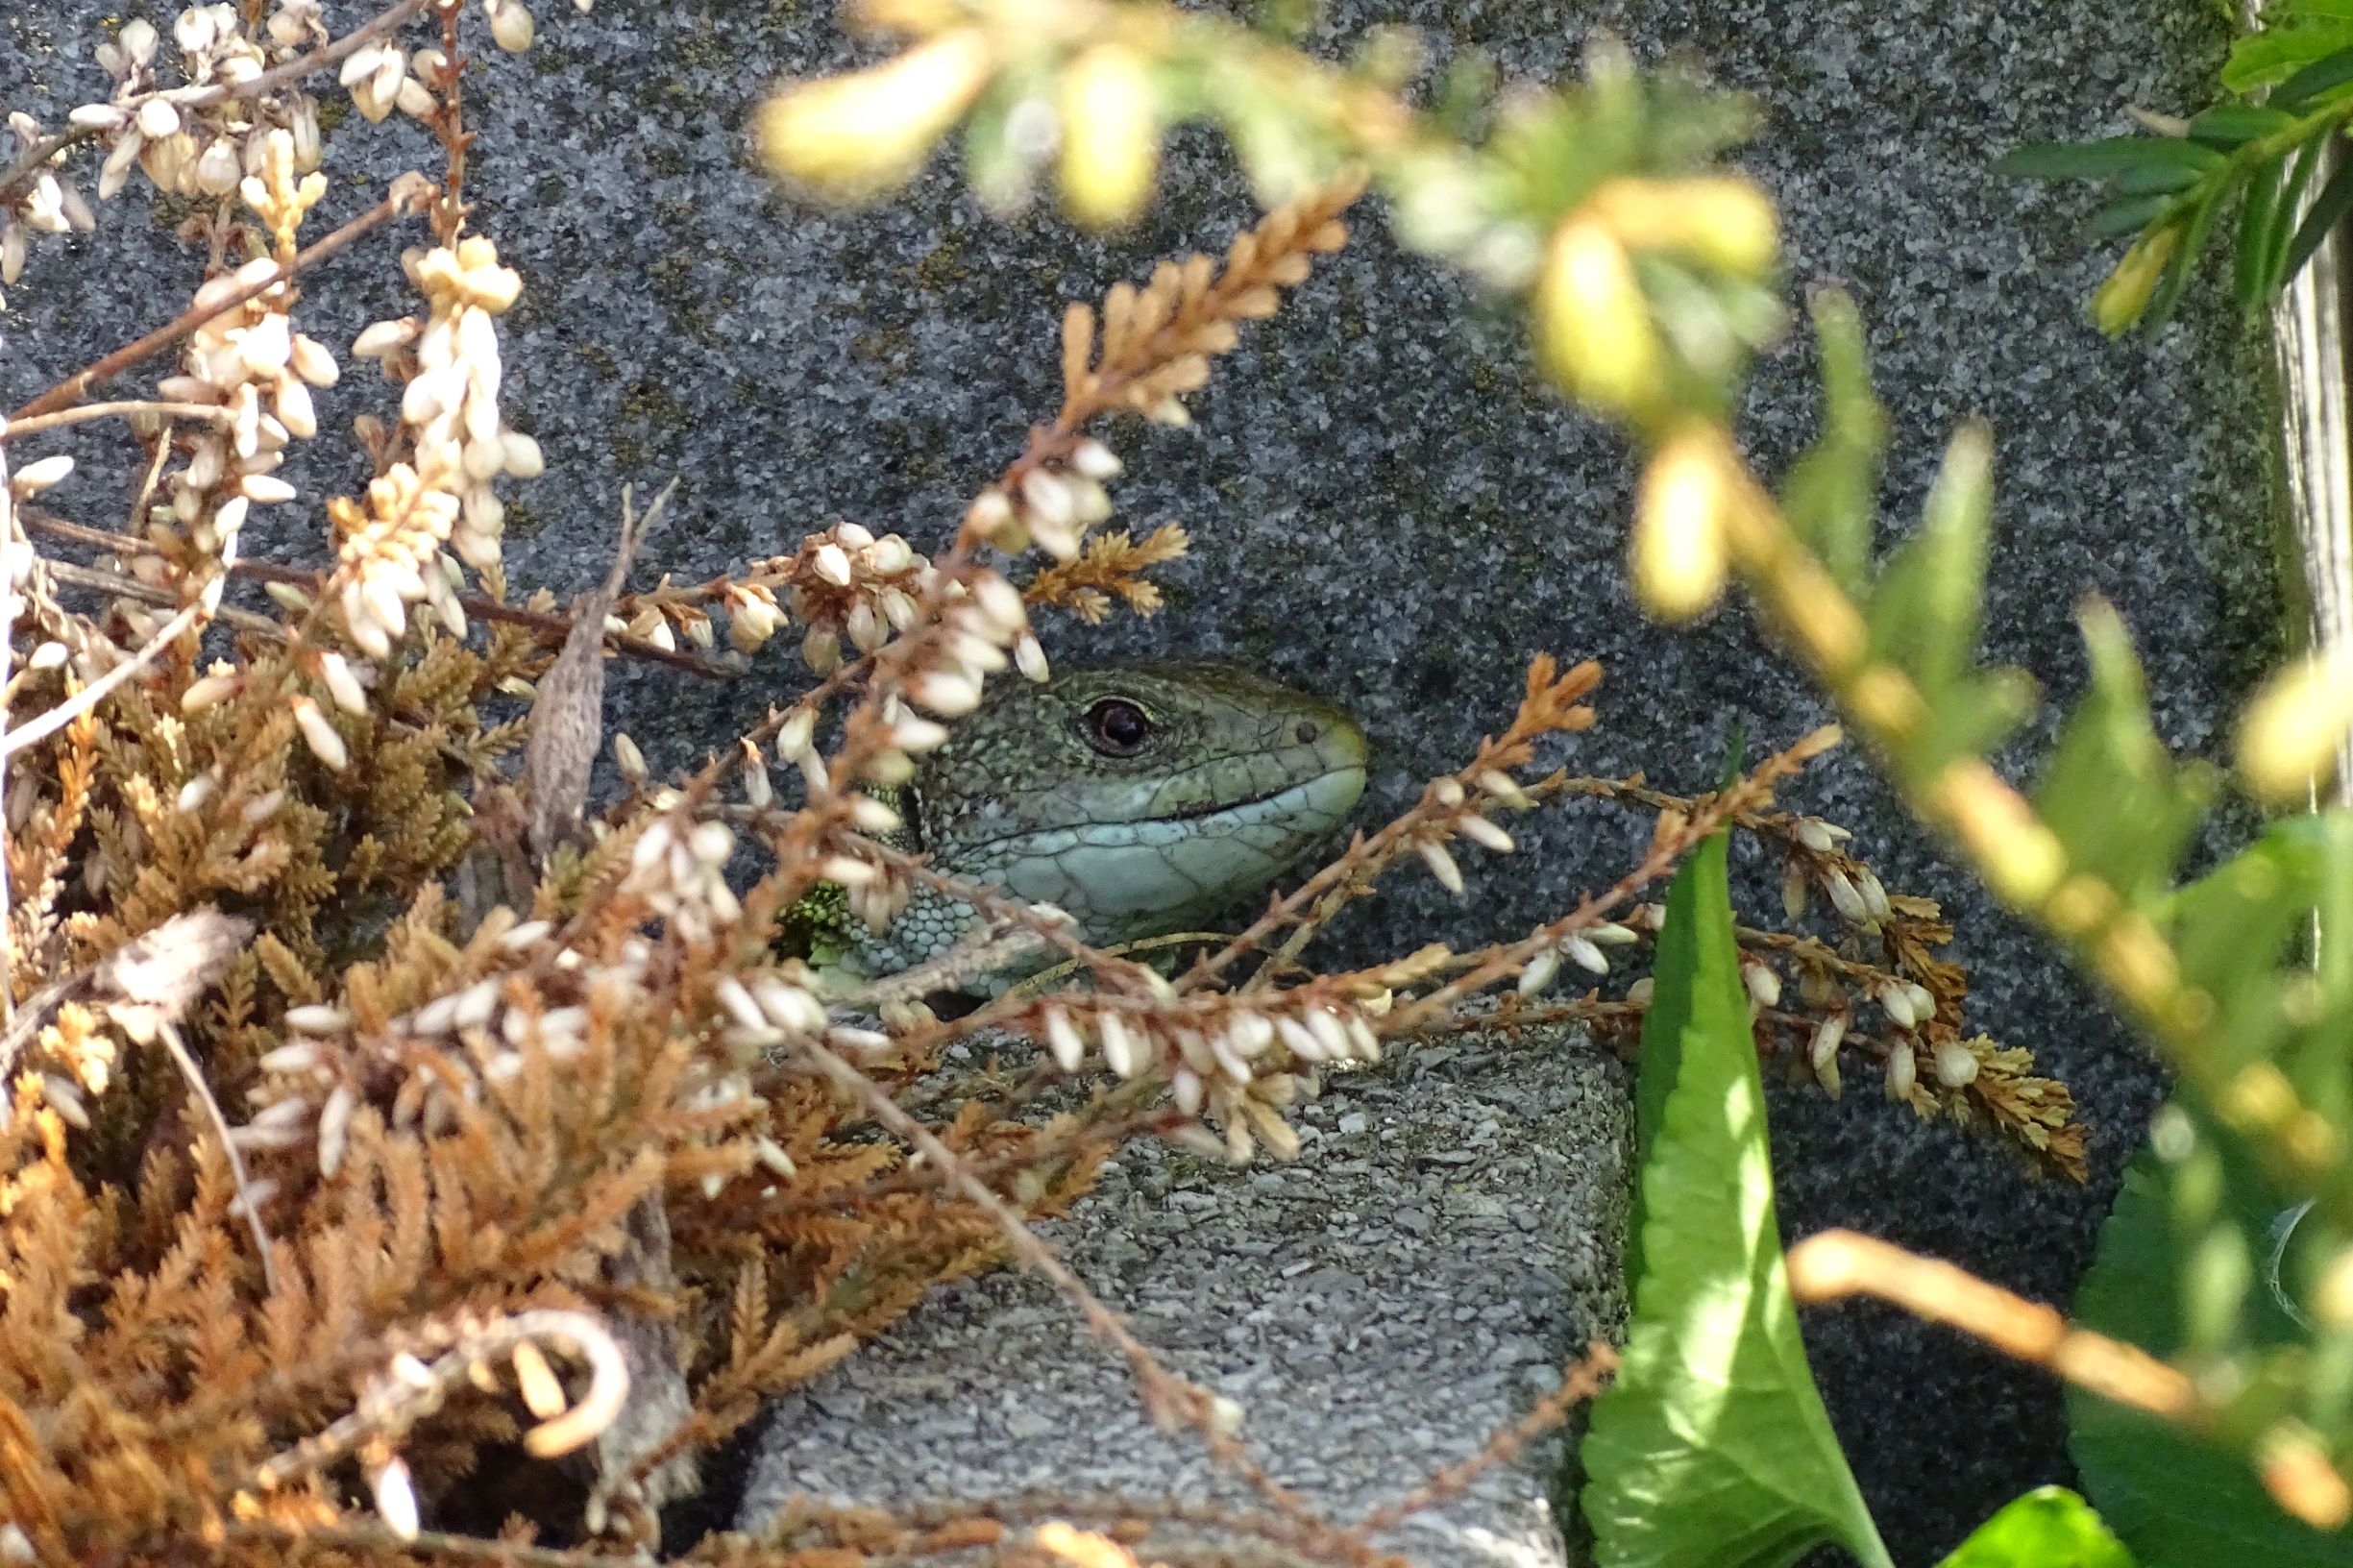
x=1308, y=732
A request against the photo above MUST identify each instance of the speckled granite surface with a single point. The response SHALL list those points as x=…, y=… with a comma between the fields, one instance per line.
x=1387, y=506
x=1378, y=1308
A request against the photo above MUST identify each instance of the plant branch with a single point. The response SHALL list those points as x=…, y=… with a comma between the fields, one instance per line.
x=410, y=192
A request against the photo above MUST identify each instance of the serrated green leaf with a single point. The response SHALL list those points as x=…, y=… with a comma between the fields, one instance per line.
x=2233, y=125
x=2323, y=76
x=2112, y=792
x=2104, y=159
x=1832, y=494
x=2049, y=1528
x=2258, y=59
x=1712, y=1445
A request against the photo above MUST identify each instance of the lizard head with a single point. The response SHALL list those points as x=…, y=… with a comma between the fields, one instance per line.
x=1140, y=798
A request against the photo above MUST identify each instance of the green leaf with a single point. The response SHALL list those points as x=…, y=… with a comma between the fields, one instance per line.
x=2261, y=219
x=2104, y=159
x=2276, y=53
x=1924, y=607
x=2322, y=75
x=2112, y=792
x=1712, y=1446
x=2129, y=216
x=2156, y=179
x=2049, y=1528
x=2177, y=274
x=2232, y=125
x=2185, y=259
x=2177, y=1501
x=1831, y=495
x=2335, y=201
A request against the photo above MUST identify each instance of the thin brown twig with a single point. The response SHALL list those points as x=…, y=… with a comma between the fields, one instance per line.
x=409, y=193
x=1834, y=1265
x=148, y=593
x=314, y=582
x=247, y=1199
x=292, y=71
x=28, y=166
x=218, y=413
x=1666, y=849
x=45, y=725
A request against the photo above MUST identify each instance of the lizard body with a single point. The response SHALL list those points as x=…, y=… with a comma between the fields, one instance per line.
x=1139, y=800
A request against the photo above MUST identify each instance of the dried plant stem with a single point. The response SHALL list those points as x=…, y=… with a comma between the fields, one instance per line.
x=98, y=691
x=385, y=23
x=379, y=1543
x=218, y=413
x=202, y=1092
x=11, y=536
x=23, y=1022
x=1666, y=849
x=314, y=582
x=410, y=193
x=449, y=127
x=1835, y=1264
x=28, y=167
x=405, y=1396
x=115, y=583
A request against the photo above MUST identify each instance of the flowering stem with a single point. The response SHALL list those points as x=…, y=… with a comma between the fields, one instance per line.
x=408, y=194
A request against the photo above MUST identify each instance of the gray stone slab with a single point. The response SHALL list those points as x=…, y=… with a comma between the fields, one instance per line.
x=1380, y=1307
x=1387, y=505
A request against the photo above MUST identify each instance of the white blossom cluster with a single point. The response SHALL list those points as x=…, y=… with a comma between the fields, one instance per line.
x=449, y=407
x=250, y=361
x=316, y=1081
x=51, y=206
x=1054, y=504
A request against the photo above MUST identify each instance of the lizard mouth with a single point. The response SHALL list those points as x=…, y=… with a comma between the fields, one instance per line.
x=1219, y=808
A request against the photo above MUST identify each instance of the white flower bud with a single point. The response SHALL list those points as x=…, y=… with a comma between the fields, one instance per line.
x=512, y=28
x=1902, y=1071
x=320, y=735
x=157, y=119
x=1956, y=1064
x=342, y=684
x=35, y=477
x=138, y=40
x=1030, y=658
x=1096, y=460
x=521, y=456
x=1062, y=1039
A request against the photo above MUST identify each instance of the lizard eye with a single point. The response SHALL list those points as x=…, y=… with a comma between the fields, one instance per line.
x=1116, y=728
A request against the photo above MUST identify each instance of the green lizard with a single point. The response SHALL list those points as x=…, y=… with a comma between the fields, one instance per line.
x=1137, y=800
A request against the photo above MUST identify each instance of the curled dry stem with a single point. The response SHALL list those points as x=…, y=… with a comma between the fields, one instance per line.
x=413, y=1390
